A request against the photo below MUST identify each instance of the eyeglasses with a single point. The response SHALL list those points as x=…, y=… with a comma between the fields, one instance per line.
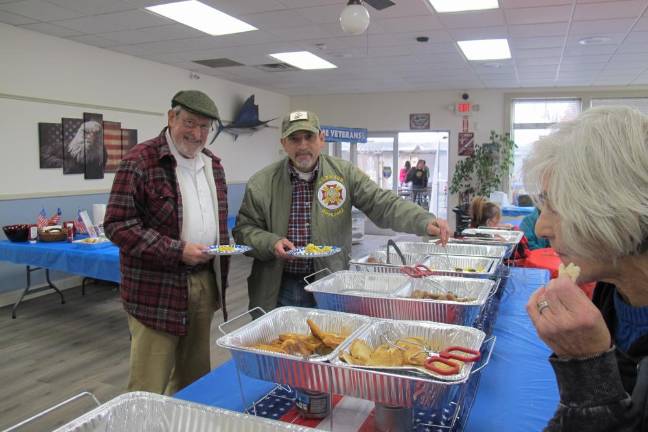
x=192, y=124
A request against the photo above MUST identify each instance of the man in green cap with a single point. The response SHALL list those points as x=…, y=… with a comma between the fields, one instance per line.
x=307, y=198
x=167, y=205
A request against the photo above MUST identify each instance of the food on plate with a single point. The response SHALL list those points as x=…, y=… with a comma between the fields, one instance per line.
x=93, y=240
x=572, y=271
x=314, y=249
x=226, y=248
x=319, y=342
x=374, y=260
x=477, y=269
x=450, y=296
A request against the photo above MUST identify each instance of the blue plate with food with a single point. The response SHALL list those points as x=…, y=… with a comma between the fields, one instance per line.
x=228, y=249
x=314, y=251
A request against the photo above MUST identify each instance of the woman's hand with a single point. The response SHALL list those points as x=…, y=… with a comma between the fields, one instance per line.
x=567, y=321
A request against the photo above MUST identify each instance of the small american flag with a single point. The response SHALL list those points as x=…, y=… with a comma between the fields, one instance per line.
x=41, y=221
x=56, y=219
x=79, y=226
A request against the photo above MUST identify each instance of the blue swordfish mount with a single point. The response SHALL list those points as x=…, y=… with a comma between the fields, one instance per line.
x=246, y=122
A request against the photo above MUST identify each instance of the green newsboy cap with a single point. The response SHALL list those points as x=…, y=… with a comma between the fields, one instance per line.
x=298, y=121
x=197, y=102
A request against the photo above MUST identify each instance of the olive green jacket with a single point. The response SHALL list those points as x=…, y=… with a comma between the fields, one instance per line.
x=263, y=218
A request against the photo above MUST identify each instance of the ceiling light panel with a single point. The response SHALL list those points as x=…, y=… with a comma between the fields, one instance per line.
x=443, y=6
x=202, y=17
x=303, y=60
x=486, y=49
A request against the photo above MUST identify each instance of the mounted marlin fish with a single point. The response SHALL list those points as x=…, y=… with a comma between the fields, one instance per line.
x=246, y=122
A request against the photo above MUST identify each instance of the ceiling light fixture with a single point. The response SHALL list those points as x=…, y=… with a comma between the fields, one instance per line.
x=443, y=6
x=595, y=40
x=202, y=17
x=354, y=18
x=303, y=60
x=486, y=49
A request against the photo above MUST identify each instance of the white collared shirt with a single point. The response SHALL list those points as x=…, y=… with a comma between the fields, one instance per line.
x=199, y=218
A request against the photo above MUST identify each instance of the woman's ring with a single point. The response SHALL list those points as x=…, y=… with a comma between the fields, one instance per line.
x=542, y=305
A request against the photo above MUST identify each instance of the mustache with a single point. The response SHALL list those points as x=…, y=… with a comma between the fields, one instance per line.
x=304, y=154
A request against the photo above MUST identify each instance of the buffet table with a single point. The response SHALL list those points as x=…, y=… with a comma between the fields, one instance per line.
x=517, y=389
x=94, y=261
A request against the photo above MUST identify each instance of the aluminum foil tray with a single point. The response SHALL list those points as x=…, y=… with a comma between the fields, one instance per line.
x=148, y=412
x=389, y=296
x=401, y=386
x=509, y=238
x=365, y=264
x=288, y=369
x=448, y=265
x=430, y=248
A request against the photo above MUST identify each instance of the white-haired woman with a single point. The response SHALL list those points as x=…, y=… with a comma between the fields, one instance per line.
x=591, y=177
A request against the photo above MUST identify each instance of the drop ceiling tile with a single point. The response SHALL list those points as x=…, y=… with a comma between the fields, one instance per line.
x=589, y=67
x=609, y=10
x=276, y=19
x=534, y=53
x=535, y=15
x=637, y=37
x=486, y=18
x=310, y=3
x=40, y=10
x=642, y=24
x=586, y=59
x=242, y=7
x=497, y=32
x=589, y=28
x=632, y=48
x=553, y=60
x=587, y=50
x=13, y=19
x=538, y=30
x=308, y=32
x=539, y=42
x=435, y=36
x=113, y=22
x=620, y=81
x=402, y=8
x=152, y=34
x=91, y=7
x=93, y=40
x=51, y=29
x=409, y=24
x=523, y=70
x=509, y=4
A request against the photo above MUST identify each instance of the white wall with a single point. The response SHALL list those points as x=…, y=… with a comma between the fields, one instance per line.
x=390, y=112
x=40, y=71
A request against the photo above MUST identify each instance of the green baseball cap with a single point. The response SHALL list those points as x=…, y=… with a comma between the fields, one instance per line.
x=196, y=102
x=300, y=121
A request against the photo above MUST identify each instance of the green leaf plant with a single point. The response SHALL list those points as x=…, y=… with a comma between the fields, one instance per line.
x=484, y=171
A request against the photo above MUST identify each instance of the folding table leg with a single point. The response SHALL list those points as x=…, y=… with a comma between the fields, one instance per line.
x=29, y=290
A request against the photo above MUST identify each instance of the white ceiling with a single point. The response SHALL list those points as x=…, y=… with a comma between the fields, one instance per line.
x=543, y=35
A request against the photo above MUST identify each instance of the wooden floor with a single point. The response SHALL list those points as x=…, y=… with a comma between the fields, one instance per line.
x=53, y=351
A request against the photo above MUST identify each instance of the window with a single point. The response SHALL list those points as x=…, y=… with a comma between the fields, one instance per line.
x=639, y=103
x=533, y=119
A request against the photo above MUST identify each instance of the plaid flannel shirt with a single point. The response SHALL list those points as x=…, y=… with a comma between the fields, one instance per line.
x=299, y=230
x=144, y=218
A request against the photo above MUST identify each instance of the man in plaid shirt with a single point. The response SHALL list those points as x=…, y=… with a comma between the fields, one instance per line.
x=307, y=198
x=167, y=205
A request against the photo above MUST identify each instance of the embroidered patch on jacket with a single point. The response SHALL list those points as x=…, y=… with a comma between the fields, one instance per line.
x=332, y=194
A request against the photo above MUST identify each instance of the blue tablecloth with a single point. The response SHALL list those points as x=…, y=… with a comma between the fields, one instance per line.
x=517, y=391
x=99, y=262
x=511, y=210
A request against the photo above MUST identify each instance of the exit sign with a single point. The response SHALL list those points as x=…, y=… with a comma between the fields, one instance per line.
x=463, y=107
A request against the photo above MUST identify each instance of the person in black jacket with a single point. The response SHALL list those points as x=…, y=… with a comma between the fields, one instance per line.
x=418, y=176
x=591, y=179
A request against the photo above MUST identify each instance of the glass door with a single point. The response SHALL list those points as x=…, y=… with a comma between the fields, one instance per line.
x=376, y=159
x=428, y=152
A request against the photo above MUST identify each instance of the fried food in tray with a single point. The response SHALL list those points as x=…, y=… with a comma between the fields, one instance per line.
x=449, y=296
x=409, y=351
x=318, y=343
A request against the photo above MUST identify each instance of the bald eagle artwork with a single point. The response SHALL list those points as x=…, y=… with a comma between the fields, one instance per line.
x=246, y=122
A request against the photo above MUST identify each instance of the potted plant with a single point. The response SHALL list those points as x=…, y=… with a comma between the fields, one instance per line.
x=484, y=171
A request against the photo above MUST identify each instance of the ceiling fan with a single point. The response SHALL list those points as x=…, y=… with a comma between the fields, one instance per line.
x=355, y=18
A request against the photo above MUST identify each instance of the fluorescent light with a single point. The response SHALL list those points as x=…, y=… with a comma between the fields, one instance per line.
x=487, y=49
x=202, y=17
x=303, y=60
x=442, y=6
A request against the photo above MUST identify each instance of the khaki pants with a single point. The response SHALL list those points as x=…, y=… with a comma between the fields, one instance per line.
x=163, y=363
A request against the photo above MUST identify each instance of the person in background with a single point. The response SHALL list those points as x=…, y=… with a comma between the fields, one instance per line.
x=418, y=177
x=402, y=175
x=307, y=198
x=528, y=226
x=167, y=205
x=590, y=177
x=485, y=213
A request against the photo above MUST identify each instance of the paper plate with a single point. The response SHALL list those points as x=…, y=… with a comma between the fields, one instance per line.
x=300, y=252
x=228, y=249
